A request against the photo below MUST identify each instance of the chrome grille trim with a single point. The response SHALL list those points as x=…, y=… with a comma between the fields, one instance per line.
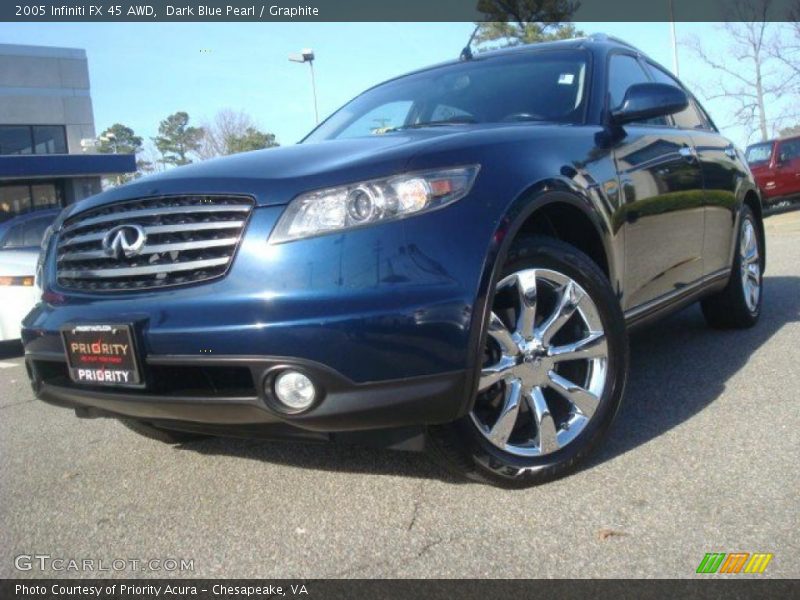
x=189, y=239
x=133, y=271
x=152, y=249
x=97, y=237
x=136, y=214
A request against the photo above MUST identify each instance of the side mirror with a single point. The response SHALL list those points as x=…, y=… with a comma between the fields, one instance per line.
x=649, y=100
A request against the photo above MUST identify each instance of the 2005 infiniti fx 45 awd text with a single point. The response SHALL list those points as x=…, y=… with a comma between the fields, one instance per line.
x=451, y=261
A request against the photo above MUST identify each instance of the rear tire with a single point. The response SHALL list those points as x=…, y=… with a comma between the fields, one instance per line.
x=561, y=345
x=738, y=305
x=166, y=436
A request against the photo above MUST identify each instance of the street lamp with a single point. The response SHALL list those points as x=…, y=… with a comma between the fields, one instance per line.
x=307, y=56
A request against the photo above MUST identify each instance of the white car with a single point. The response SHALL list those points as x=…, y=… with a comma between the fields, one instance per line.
x=20, y=242
x=18, y=294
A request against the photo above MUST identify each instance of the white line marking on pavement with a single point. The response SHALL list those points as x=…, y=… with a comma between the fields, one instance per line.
x=8, y=365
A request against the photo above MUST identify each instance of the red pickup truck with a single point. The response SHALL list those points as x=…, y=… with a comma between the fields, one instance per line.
x=776, y=167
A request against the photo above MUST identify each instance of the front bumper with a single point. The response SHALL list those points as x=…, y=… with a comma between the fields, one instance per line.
x=241, y=395
x=382, y=318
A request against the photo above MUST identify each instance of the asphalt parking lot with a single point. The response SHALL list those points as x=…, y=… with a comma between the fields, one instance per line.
x=702, y=458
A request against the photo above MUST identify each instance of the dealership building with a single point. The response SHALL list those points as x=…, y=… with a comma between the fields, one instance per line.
x=45, y=115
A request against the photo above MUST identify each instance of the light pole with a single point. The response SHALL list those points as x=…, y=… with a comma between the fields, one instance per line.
x=307, y=56
x=675, y=67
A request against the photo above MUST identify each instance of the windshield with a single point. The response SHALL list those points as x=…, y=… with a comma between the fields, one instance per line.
x=548, y=85
x=758, y=153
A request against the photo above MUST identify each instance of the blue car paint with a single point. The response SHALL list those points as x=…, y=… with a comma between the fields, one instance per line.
x=390, y=301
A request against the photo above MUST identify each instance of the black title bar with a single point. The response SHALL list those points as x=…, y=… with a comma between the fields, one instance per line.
x=382, y=10
x=389, y=589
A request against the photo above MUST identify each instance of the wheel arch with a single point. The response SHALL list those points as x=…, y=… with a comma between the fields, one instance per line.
x=752, y=200
x=543, y=199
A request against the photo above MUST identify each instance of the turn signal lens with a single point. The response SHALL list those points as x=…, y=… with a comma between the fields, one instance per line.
x=26, y=281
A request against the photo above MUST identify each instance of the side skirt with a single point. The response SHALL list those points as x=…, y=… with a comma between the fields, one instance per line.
x=676, y=300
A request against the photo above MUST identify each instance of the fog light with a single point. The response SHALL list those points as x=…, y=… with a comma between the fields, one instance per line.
x=295, y=390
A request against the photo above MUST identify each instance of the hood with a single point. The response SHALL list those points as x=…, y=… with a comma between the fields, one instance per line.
x=276, y=175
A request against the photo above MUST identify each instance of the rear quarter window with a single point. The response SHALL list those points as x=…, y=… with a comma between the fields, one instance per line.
x=14, y=237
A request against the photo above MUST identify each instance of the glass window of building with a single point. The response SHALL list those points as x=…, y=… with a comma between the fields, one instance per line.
x=15, y=139
x=49, y=139
x=14, y=200
x=45, y=195
x=33, y=139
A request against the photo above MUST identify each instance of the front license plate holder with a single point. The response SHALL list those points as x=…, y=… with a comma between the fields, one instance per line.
x=102, y=354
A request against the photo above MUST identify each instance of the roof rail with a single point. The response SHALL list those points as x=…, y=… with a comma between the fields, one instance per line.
x=602, y=37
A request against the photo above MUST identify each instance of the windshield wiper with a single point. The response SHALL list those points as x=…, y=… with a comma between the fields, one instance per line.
x=440, y=123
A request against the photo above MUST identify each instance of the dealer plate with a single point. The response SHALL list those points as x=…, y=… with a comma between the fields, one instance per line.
x=101, y=354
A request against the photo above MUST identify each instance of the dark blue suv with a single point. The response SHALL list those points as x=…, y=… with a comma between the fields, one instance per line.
x=452, y=261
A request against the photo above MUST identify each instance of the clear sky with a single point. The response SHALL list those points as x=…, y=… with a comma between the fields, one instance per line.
x=142, y=72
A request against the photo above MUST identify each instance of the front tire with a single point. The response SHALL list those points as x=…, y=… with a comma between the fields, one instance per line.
x=738, y=305
x=554, y=369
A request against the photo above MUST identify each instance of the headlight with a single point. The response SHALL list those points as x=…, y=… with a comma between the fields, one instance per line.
x=369, y=202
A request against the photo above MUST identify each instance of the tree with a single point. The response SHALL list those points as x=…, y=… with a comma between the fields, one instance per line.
x=251, y=139
x=152, y=159
x=516, y=22
x=231, y=132
x=747, y=75
x=791, y=131
x=176, y=139
x=786, y=49
x=120, y=139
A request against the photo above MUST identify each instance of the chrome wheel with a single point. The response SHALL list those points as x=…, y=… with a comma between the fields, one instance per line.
x=546, y=364
x=750, y=265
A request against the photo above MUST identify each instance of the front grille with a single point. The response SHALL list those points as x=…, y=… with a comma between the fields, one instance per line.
x=189, y=239
x=180, y=381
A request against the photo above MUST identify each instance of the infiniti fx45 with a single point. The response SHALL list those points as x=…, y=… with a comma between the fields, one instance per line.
x=451, y=261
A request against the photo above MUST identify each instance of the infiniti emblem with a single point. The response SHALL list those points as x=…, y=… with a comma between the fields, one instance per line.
x=126, y=240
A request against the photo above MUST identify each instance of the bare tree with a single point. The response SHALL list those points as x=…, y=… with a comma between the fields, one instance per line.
x=786, y=48
x=230, y=132
x=151, y=160
x=747, y=74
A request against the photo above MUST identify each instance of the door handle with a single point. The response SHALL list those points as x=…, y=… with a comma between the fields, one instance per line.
x=688, y=152
x=730, y=151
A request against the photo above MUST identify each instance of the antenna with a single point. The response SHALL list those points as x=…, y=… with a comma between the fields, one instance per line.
x=466, y=53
